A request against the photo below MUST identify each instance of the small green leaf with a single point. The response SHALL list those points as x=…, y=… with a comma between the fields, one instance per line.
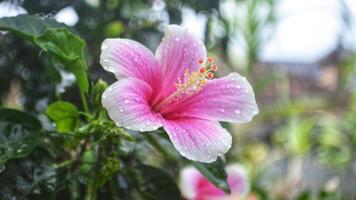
x=154, y=184
x=67, y=48
x=19, y=134
x=215, y=173
x=97, y=91
x=64, y=114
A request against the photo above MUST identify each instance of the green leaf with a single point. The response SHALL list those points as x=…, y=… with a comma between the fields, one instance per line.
x=65, y=115
x=215, y=173
x=154, y=184
x=54, y=38
x=67, y=48
x=19, y=134
x=28, y=26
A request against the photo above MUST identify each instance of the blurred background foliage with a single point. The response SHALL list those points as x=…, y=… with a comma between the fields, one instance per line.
x=302, y=145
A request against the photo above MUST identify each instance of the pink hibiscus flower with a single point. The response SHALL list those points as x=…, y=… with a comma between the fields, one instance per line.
x=194, y=186
x=172, y=90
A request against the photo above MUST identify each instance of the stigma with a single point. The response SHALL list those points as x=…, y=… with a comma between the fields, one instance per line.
x=194, y=81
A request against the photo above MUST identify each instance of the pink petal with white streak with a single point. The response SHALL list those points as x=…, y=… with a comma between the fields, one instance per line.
x=126, y=102
x=230, y=99
x=178, y=51
x=128, y=58
x=198, y=139
x=194, y=186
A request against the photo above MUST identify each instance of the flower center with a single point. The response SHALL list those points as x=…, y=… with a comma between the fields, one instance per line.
x=193, y=82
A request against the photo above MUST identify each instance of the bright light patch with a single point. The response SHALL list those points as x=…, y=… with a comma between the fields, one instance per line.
x=9, y=9
x=195, y=23
x=67, y=16
x=307, y=31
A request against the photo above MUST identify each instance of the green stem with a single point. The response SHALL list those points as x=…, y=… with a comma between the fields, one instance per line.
x=84, y=102
x=158, y=146
x=91, y=190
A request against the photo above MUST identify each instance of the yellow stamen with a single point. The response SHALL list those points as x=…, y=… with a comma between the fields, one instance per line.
x=192, y=84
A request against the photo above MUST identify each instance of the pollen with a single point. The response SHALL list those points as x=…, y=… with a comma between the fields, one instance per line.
x=195, y=81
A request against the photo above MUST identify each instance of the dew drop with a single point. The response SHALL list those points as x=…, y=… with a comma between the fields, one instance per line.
x=222, y=110
x=237, y=111
x=121, y=110
x=126, y=101
x=177, y=39
x=147, y=123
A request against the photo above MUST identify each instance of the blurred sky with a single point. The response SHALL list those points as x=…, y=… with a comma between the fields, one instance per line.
x=306, y=31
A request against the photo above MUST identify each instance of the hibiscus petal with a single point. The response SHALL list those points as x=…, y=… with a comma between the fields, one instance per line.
x=238, y=181
x=198, y=139
x=126, y=103
x=188, y=181
x=128, y=58
x=228, y=99
x=196, y=187
x=178, y=51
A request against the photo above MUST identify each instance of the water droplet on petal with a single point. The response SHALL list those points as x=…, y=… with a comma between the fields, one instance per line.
x=237, y=111
x=176, y=39
x=121, y=110
x=222, y=110
x=126, y=101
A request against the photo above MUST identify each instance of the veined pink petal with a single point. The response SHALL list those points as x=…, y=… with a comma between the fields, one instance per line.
x=198, y=139
x=237, y=179
x=194, y=186
x=126, y=102
x=128, y=58
x=188, y=181
x=178, y=51
x=230, y=99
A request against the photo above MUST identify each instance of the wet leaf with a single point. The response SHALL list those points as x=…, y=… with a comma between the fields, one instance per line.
x=19, y=134
x=28, y=26
x=68, y=49
x=154, y=184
